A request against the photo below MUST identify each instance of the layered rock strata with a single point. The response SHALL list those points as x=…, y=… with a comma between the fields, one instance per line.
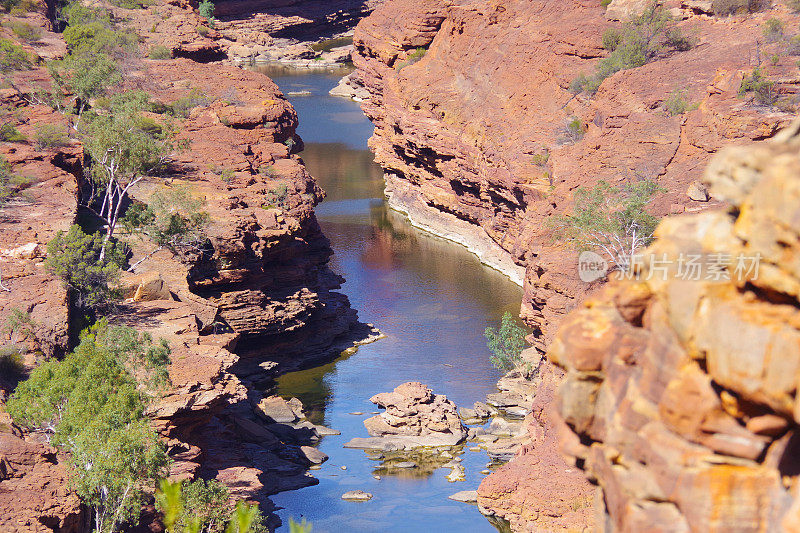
x=259, y=301
x=471, y=103
x=310, y=33
x=681, y=392
x=414, y=417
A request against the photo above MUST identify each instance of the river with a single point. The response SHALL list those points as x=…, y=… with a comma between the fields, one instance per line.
x=430, y=297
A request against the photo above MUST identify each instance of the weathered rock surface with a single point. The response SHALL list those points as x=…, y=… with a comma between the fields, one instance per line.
x=465, y=496
x=34, y=494
x=252, y=30
x=414, y=417
x=537, y=490
x=680, y=396
x=265, y=281
x=471, y=135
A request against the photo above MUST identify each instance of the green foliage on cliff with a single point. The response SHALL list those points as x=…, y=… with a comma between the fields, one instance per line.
x=506, y=343
x=204, y=506
x=92, y=405
x=639, y=41
x=173, y=219
x=11, y=184
x=12, y=57
x=206, y=9
x=732, y=7
x=763, y=90
x=610, y=219
x=75, y=258
x=411, y=58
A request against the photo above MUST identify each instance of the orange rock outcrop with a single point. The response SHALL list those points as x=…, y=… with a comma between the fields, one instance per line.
x=681, y=394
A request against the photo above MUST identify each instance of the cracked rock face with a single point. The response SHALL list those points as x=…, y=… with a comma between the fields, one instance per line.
x=473, y=132
x=683, y=392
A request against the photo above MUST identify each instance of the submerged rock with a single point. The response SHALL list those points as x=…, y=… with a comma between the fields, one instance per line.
x=458, y=474
x=465, y=496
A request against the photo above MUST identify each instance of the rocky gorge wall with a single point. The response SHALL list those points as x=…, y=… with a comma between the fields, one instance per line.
x=471, y=102
x=259, y=302
x=473, y=134
x=680, y=397
x=251, y=30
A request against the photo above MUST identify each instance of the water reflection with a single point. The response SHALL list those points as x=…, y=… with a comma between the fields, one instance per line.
x=431, y=298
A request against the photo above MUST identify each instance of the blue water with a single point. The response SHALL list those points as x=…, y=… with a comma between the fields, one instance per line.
x=430, y=297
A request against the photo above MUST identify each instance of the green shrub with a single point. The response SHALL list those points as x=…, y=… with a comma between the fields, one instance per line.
x=51, y=136
x=677, y=40
x=268, y=171
x=605, y=3
x=676, y=103
x=173, y=219
x=132, y=4
x=91, y=31
x=610, y=219
x=205, y=506
x=206, y=9
x=11, y=361
x=277, y=195
x=641, y=39
x=20, y=325
x=159, y=51
x=612, y=37
x=10, y=133
x=787, y=105
x=183, y=106
x=74, y=257
x=412, y=58
x=12, y=57
x=793, y=46
x=542, y=158
x=506, y=343
x=733, y=7
x=772, y=29
x=92, y=405
x=226, y=175
x=574, y=130
x=10, y=183
x=25, y=31
x=763, y=90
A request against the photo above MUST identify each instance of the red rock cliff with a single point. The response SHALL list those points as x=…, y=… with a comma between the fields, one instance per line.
x=462, y=133
x=681, y=394
x=262, y=300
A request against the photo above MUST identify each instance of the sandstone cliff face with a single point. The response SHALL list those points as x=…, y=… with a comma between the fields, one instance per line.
x=262, y=300
x=681, y=394
x=472, y=135
x=249, y=30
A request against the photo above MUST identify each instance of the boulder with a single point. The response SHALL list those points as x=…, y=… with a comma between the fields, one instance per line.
x=356, y=496
x=144, y=287
x=698, y=192
x=465, y=496
x=417, y=417
x=314, y=455
x=276, y=409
